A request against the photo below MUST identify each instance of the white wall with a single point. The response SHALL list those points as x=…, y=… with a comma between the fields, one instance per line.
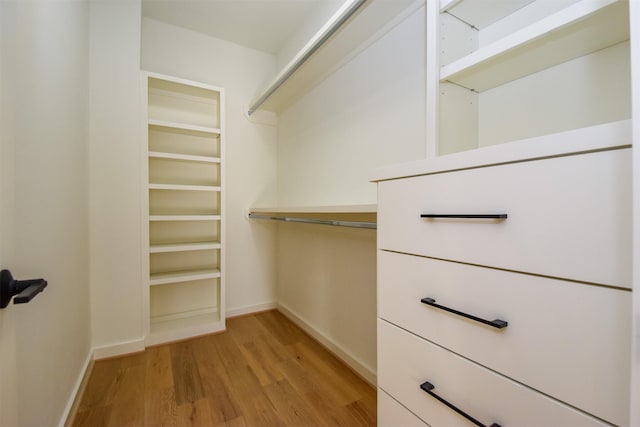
x=115, y=173
x=321, y=13
x=250, y=148
x=45, y=53
x=327, y=281
x=369, y=113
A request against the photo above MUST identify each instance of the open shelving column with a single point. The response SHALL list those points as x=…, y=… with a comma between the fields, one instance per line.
x=500, y=63
x=184, y=247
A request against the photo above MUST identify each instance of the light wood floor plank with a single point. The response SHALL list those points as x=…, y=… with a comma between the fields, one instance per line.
x=264, y=371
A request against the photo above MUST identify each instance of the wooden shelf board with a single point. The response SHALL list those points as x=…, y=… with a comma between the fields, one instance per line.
x=177, y=187
x=183, y=276
x=184, y=126
x=183, y=157
x=575, y=31
x=184, y=247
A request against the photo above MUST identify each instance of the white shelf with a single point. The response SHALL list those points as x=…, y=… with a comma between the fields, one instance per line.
x=364, y=208
x=580, y=29
x=176, y=187
x=183, y=157
x=182, y=276
x=184, y=218
x=483, y=13
x=183, y=126
x=593, y=138
x=353, y=216
x=185, y=327
x=184, y=247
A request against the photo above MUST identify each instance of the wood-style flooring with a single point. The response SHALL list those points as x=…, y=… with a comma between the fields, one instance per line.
x=264, y=371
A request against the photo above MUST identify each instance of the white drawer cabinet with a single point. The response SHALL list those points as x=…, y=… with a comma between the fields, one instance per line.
x=407, y=361
x=547, y=332
x=564, y=219
x=557, y=270
x=527, y=114
x=393, y=414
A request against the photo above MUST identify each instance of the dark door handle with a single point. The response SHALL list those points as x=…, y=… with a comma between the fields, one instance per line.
x=495, y=323
x=23, y=290
x=428, y=388
x=465, y=216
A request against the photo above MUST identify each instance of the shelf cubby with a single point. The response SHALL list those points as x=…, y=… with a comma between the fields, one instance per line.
x=580, y=29
x=527, y=69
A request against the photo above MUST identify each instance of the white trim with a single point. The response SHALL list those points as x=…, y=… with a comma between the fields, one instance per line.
x=366, y=372
x=249, y=309
x=76, y=389
x=185, y=82
x=118, y=349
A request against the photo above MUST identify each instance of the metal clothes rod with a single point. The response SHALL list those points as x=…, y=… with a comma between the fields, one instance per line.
x=336, y=21
x=339, y=223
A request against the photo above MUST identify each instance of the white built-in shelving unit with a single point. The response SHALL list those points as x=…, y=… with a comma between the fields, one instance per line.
x=184, y=209
x=515, y=70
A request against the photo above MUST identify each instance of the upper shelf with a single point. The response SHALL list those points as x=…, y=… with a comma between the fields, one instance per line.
x=326, y=50
x=580, y=29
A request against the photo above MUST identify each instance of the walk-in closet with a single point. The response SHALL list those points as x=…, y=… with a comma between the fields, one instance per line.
x=320, y=212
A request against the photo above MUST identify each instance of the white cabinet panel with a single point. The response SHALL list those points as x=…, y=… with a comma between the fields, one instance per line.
x=567, y=216
x=554, y=326
x=393, y=414
x=408, y=361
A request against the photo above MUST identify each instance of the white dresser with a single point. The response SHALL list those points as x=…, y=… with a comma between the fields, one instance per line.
x=505, y=258
x=507, y=287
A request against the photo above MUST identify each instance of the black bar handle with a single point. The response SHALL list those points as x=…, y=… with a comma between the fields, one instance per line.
x=465, y=216
x=23, y=290
x=499, y=324
x=428, y=388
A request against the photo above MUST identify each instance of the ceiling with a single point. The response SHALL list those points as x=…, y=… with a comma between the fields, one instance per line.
x=259, y=24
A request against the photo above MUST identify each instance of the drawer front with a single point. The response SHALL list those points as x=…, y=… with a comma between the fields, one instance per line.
x=393, y=414
x=406, y=361
x=568, y=217
x=566, y=339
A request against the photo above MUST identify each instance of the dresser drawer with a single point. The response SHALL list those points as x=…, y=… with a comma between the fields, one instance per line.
x=406, y=361
x=566, y=339
x=393, y=414
x=568, y=217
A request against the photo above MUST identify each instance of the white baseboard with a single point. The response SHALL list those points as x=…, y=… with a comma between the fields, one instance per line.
x=118, y=349
x=359, y=367
x=84, y=372
x=248, y=309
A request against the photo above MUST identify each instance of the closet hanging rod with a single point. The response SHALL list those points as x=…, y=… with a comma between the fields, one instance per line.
x=346, y=11
x=338, y=223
